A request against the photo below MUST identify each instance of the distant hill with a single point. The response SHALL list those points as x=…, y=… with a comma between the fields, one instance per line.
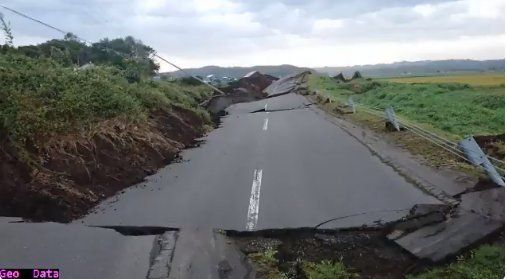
x=418, y=68
x=238, y=72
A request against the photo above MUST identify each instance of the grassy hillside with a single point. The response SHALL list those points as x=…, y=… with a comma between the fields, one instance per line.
x=456, y=109
x=472, y=79
x=41, y=98
x=70, y=137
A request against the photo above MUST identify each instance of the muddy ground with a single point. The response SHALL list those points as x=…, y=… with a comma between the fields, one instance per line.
x=492, y=145
x=75, y=172
x=365, y=252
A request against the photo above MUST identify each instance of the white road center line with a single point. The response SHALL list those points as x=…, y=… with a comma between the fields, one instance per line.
x=266, y=107
x=265, y=125
x=253, y=208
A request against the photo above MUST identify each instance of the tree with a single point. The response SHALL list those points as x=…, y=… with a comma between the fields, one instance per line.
x=76, y=52
x=129, y=55
x=124, y=53
x=6, y=28
x=70, y=37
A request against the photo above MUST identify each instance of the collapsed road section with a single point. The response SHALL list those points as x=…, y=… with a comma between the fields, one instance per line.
x=248, y=88
x=326, y=197
x=160, y=253
x=294, y=83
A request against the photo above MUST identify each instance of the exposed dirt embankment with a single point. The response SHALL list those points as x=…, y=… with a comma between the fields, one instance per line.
x=78, y=171
x=248, y=88
x=492, y=145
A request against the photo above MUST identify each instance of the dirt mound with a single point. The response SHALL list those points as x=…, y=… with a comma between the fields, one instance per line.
x=340, y=77
x=254, y=83
x=77, y=171
x=248, y=88
x=356, y=75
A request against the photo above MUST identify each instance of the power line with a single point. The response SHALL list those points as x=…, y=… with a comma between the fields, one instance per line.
x=38, y=21
x=107, y=49
x=196, y=78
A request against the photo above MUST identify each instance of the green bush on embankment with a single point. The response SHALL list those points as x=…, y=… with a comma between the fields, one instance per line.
x=40, y=97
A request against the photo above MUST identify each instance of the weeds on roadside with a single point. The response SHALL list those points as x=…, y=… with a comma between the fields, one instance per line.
x=267, y=264
x=486, y=262
x=327, y=270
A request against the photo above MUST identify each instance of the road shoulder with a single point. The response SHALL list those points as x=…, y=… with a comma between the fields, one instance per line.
x=442, y=183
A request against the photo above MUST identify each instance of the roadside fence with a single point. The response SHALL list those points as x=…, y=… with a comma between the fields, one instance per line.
x=466, y=149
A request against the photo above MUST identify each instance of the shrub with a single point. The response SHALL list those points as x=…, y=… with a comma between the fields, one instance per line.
x=40, y=97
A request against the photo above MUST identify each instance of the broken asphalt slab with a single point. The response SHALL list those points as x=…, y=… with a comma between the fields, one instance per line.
x=162, y=255
x=488, y=203
x=78, y=251
x=288, y=84
x=207, y=253
x=445, y=239
x=420, y=215
x=247, y=89
x=479, y=215
x=121, y=252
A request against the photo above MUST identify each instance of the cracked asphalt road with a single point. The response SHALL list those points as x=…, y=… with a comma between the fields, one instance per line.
x=284, y=167
x=277, y=169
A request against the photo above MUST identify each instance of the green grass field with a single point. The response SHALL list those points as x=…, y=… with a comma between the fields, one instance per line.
x=452, y=108
x=472, y=79
x=487, y=261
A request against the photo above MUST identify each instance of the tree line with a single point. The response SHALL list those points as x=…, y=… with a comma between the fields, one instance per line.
x=128, y=54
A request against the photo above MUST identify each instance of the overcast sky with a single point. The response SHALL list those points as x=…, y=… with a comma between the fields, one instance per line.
x=195, y=33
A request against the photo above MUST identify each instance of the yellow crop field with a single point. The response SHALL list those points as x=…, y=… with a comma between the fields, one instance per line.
x=472, y=79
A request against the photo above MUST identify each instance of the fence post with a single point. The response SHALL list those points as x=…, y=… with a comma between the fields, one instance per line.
x=477, y=157
x=352, y=105
x=391, y=117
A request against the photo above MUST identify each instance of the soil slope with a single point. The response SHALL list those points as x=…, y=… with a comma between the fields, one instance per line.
x=80, y=170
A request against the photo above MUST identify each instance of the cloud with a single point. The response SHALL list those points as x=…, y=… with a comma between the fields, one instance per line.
x=306, y=33
x=327, y=24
